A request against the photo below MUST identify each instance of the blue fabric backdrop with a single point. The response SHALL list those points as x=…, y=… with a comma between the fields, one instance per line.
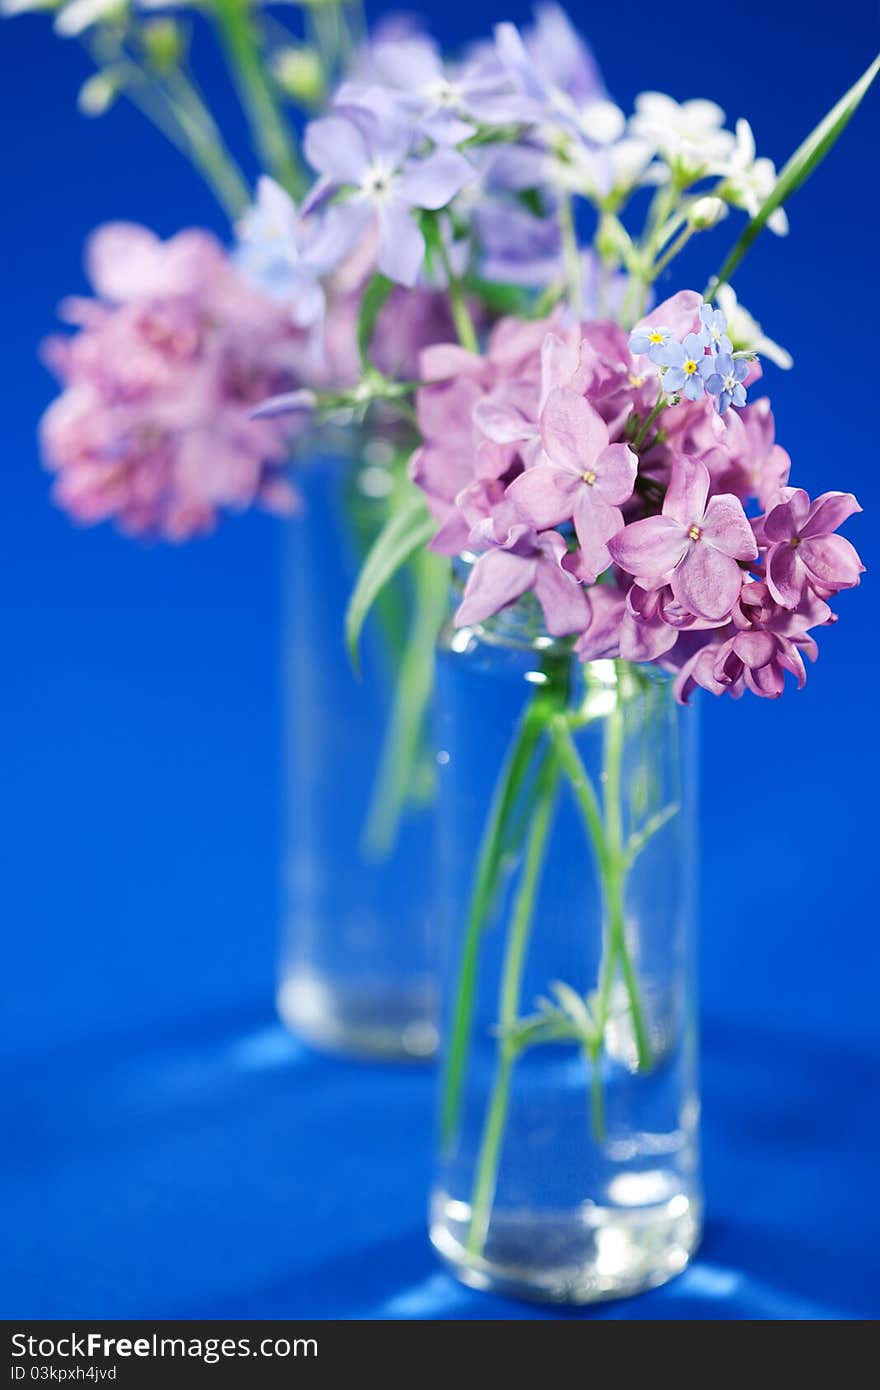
x=168, y=1150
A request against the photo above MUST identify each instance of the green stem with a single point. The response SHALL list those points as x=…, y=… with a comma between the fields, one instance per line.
x=269, y=130
x=571, y=255
x=612, y=861
x=403, y=735
x=583, y=789
x=488, y=1161
x=461, y=316
x=208, y=151
x=597, y=1095
x=672, y=251
x=636, y=291
x=185, y=122
x=616, y=880
x=649, y=420
x=507, y=789
x=495, y=845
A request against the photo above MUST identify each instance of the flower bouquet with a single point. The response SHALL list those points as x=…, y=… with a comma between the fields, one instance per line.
x=471, y=282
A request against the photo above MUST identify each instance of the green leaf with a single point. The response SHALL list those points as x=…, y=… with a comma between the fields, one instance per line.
x=575, y=1008
x=651, y=828
x=798, y=169
x=375, y=294
x=409, y=527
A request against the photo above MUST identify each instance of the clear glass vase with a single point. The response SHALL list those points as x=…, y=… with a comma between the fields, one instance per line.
x=357, y=974
x=568, y=1165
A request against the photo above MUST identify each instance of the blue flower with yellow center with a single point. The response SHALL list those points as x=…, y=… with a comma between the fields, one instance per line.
x=686, y=366
x=650, y=340
x=725, y=380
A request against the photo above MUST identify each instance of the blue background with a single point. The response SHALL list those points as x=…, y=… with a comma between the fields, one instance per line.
x=169, y=1150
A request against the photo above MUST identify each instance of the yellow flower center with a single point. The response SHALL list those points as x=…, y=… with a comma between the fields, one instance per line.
x=694, y=533
x=655, y=337
x=636, y=381
x=589, y=477
x=690, y=367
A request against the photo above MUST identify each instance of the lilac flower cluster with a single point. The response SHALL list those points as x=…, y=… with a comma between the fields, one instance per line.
x=540, y=460
x=154, y=427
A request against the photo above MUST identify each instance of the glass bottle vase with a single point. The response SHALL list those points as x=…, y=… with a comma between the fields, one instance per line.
x=357, y=971
x=568, y=1166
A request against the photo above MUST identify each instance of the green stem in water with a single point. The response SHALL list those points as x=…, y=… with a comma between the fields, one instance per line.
x=234, y=20
x=402, y=743
x=489, y=1158
x=494, y=848
x=593, y=1056
x=613, y=858
x=507, y=789
x=616, y=881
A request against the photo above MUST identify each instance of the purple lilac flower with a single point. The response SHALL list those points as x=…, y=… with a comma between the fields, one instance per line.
x=653, y=621
x=517, y=248
x=446, y=102
x=762, y=643
x=803, y=552
x=584, y=478
x=559, y=52
x=600, y=638
x=367, y=161
x=694, y=545
x=518, y=559
x=551, y=67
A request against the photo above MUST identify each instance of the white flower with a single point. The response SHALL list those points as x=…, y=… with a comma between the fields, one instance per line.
x=13, y=7
x=78, y=15
x=745, y=332
x=614, y=169
x=750, y=181
x=690, y=136
x=600, y=121
x=706, y=213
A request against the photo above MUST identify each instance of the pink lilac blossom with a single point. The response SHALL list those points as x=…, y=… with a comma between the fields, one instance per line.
x=646, y=529
x=153, y=426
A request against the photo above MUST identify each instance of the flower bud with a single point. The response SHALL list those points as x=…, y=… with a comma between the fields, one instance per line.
x=298, y=71
x=162, y=43
x=706, y=213
x=98, y=93
x=613, y=241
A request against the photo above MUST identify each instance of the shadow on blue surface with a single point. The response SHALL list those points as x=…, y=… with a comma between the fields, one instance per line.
x=227, y=1172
